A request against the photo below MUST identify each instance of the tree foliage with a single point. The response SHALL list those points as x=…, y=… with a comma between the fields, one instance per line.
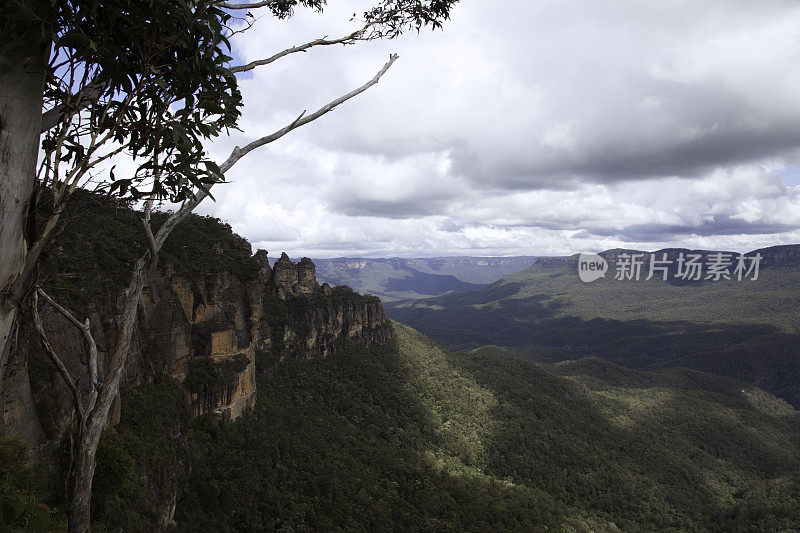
x=149, y=77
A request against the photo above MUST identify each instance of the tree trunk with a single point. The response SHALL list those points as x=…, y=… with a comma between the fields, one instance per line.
x=80, y=489
x=22, y=75
x=88, y=436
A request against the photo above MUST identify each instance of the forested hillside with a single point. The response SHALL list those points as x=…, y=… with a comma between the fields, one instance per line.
x=410, y=436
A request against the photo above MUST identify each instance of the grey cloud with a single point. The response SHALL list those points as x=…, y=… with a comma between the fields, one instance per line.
x=701, y=128
x=607, y=77
x=393, y=209
x=450, y=225
x=718, y=225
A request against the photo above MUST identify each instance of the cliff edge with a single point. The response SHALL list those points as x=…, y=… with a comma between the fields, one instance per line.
x=212, y=317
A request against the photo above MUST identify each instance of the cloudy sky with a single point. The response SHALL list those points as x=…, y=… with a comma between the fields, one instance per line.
x=526, y=127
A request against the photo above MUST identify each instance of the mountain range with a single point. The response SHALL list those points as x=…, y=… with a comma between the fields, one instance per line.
x=403, y=278
x=747, y=329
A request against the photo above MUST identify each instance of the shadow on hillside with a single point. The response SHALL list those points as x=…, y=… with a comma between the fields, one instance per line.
x=342, y=443
x=489, y=294
x=686, y=445
x=756, y=353
x=429, y=284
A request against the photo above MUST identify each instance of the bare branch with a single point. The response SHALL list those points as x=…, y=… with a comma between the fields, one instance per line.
x=98, y=417
x=347, y=39
x=62, y=369
x=151, y=240
x=238, y=153
x=93, y=380
x=85, y=329
x=69, y=316
x=148, y=232
x=52, y=117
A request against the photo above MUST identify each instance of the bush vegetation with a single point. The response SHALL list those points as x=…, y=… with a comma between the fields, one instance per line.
x=22, y=490
x=410, y=436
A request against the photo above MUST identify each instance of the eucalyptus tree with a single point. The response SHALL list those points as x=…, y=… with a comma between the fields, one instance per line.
x=82, y=81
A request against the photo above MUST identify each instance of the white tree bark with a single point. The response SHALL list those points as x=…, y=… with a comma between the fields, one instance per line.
x=22, y=73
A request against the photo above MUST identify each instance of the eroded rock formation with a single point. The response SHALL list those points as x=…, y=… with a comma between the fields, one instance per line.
x=209, y=327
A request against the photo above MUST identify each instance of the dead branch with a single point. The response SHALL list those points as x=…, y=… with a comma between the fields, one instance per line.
x=302, y=120
x=239, y=153
x=347, y=39
x=85, y=329
x=59, y=364
x=151, y=240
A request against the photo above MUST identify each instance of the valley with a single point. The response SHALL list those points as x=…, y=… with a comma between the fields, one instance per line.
x=261, y=398
x=745, y=329
x=423, y=438
x=403, y=278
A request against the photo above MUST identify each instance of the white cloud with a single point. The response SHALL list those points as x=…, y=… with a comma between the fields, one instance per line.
x=543, y=127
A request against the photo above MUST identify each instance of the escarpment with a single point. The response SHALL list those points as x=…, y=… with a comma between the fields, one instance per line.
x=309, y=320
x=213, y=317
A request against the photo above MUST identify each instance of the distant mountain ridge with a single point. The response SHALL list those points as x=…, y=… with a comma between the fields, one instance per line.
x=470, y=269
x=772, y=256
x=420, y=277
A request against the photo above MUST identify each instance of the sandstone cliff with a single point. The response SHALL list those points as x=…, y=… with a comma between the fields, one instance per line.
x=213, y=317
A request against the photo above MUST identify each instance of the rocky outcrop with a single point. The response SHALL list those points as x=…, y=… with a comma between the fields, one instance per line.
x=290, y=279
x=208, y=317
x=309, y=320
x=313, y=330
x=217, y=323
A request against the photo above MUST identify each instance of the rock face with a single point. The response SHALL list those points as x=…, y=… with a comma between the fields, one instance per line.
x=214, y=330
x=289, y=279
x=217, y=322
x=317, y=323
